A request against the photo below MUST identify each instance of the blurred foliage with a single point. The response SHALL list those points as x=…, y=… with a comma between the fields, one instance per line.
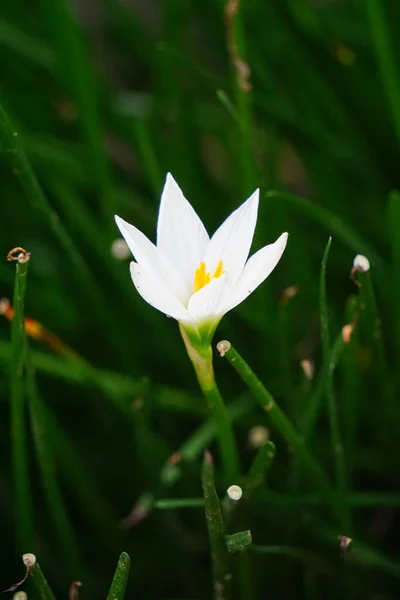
x=299, y=97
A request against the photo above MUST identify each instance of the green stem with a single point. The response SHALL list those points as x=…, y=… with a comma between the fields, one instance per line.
x=329, y=366
x=279, y=420
x=118, y=585
x=23, y=496
x=216, y=533
x=43, y=589
x=203, y=366
x=259, y=468
x=385, y=53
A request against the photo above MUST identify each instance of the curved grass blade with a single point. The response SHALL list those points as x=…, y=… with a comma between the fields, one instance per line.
x=333, y=224
x=118, y=585
x=27, y=178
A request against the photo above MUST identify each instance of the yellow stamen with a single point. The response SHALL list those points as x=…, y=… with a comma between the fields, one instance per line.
x=202, y=278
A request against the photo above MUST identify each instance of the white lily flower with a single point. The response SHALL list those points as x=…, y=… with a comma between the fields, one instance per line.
x=190, y=277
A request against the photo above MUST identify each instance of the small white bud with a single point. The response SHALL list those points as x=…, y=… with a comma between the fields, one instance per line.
x=234, y=492
x=29, y=560
x=361, y=264
x=257, y=437
x=120, y=249
x=20, y=596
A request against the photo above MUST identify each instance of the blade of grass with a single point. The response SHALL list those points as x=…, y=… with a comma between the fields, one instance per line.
x=76, y=69
x=119, y=387
x=333, y=224
x=176, y=503
x=335, y=434
x=370, y=321
x=259, y=468
x=58, y=514
x=279, y=419
x=366, y=500
x=384, y=49
x=40, y=583
x=22, y=488
x=352, y=391
x=27, y=178
x=242, y=88
x=120, y=580
x=32, y=50
x=393, y=226
x=216, y=533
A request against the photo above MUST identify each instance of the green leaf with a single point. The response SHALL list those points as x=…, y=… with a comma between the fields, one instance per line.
x=120, y=580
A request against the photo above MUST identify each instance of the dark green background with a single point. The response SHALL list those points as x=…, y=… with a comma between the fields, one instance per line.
x=106, y=97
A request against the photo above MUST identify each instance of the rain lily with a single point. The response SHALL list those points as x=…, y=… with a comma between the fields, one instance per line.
x=194, y=278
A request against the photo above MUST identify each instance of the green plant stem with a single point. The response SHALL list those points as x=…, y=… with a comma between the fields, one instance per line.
x=43, y=589
x=384, y=48
x=203, y=367
x=336, y=439
x=118, y=585
x=279, y=419
x=44, y=452
x=259, y=468
x=23, y=499
x=373, y=328
x=220, y=561
x=365, y=500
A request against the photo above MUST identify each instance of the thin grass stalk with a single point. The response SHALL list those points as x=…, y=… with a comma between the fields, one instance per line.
x=44, y=452
x=19, y=447
x=120, y=579
x=222, y=577
x=333, y=416
x=40, y=583
x=77, y=72
x=259, y=468
x=279, y=419
x=386, y=55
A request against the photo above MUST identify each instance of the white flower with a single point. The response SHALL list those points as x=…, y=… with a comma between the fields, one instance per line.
x=193, y=278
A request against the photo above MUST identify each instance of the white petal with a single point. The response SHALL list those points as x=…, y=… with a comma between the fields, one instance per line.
x=148, y=256
x=257, y=269
x=181, y=236
x=211, y=300
x=156, y=294
x=232, y=241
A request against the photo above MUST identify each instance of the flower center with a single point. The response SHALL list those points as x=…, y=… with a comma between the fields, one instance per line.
x=201, y=277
